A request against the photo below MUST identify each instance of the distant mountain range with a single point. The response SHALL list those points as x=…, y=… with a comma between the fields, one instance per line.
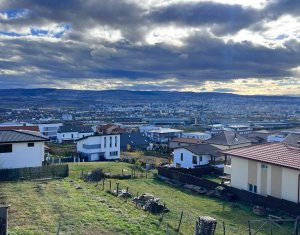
x=12, y=98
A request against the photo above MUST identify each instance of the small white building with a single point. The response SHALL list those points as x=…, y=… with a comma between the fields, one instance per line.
x=195, y=155
x=271, y=169
x=19, y=149
x=99, y=147
x=50, y=129
x=72, y=133
x=164, y=135
x=215, y=129
x=196, y=135
x=243, y=130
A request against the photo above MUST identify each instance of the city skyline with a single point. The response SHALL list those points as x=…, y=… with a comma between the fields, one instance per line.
x=211, y=46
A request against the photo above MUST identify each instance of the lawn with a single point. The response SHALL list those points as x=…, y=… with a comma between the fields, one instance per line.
x=37, y=207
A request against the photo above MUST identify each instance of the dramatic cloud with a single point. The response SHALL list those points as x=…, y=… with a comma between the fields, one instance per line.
x=224, y=46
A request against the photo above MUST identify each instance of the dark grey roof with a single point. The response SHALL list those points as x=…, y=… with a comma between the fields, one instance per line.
x=204, y=149
x=134, y=139
x=13, y=136
x=80, y=129
x=228, y=138
x=292, y=139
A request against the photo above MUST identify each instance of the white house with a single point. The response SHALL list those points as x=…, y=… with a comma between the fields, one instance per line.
x=71, y=133
x=267, y=169
x=164, y=135
x=196, y=135
x=19, y=149
x=99, y=147
x=50, y=129
x=195, y=155
x=243, y=130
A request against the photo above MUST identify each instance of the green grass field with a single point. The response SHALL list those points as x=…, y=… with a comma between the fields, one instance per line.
x=37, y=207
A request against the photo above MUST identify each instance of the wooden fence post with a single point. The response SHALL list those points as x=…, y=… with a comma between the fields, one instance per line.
x=117, y=189
x=103, y=183
x=224, y=231
x=249, y=227
x=178, y=229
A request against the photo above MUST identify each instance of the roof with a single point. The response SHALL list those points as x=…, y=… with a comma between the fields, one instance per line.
x=106, y=127
x=165, y=130
x=186, y=140
x=203, y=149
x=228, y=138
x=292, y=139
x=80, y=129
x=274, y=153
x=28, y=128
x=96, y=135
x=14, y=136
x=134, y=139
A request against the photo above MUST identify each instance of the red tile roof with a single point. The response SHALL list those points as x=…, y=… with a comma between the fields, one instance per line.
x=25, y=128
x=186, y=140
x=274, y=153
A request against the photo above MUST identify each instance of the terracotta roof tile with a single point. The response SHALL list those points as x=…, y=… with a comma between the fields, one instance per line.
x=274, y=153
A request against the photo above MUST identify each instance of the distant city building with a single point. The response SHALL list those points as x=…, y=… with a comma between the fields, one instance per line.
x=99, y=147
x=67, y=117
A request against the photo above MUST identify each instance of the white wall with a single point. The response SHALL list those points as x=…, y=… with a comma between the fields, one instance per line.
x=188, y=158
x=71, y=136
x=290, y=184
x=197, y=135
x=23, y=156
x=99, y=140
x=239, y=173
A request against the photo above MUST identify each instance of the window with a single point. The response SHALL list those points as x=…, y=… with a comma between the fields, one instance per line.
x=181, y=157
x=104, y=142
x=30, y=144
x=116, y=141
x=178, y=165
x=5, y=148
x=200, y=158
x=264, y=166
x=194, y=159
x=252, y=188
x=110, y=141
x=114, y=153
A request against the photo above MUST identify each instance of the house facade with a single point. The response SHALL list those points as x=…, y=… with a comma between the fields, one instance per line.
x=271, y=169
x=50, y=129
x=72, y=133
x=195, y=155
x=164, y=135
x=99, y=147
x=19, y=149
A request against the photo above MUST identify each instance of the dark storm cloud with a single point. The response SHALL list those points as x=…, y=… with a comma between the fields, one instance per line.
x=221, y=17
x=78, y=56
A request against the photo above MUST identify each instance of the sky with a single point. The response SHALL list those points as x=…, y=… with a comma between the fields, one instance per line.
x=233, y=46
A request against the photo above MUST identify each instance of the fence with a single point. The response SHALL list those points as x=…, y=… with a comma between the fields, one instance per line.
x=201, y=170
x=242, y=195
x=52, y=171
